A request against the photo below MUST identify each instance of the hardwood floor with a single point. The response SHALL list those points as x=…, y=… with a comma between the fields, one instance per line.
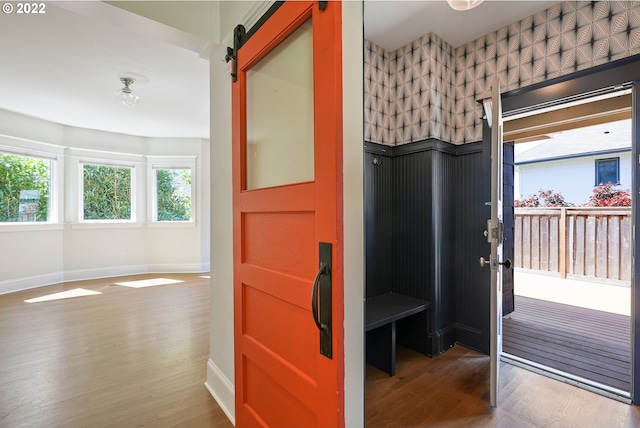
x=137, y=358
x=452, y=390
x=592, y=344
x=129, y=357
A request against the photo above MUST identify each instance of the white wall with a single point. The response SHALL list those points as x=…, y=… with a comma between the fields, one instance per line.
x=35, y=255
x=31, y=255
x=30, y=258
x=574, y=178
x=190, y=16
x=220, y=368
x=353, y=170
x=204, y=204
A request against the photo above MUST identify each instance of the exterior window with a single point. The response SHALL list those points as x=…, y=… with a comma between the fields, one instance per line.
x=607, y=171
x=25, y=186
x=106, y=192
x=173, y=194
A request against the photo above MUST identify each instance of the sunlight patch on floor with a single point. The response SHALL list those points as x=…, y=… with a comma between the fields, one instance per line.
x=148, y=282
x=205, y=276
x=76, y=292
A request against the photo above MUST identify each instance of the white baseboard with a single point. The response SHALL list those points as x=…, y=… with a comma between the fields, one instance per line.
x=106, y=272
x=19, y=284
x=177, y=268
x=222, y=390
x=13, y=285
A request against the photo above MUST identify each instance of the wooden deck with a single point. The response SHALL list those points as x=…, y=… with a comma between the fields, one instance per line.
x=591, y=344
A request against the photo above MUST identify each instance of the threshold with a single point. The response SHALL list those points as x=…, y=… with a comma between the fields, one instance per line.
x=580, y=382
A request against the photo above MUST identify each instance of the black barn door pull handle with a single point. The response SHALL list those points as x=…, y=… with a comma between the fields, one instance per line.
x=321, y=300
x=314, y=299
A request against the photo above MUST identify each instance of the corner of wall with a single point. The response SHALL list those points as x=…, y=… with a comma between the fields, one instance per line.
x=26, y=283
x=220, y=368
x=353, y=236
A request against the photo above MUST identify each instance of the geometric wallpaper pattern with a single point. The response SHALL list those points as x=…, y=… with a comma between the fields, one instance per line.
x=428, y=89
x=408, y=93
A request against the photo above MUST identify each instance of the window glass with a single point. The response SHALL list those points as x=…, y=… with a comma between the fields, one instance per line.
x=106, y=192
x=173, y=194
x=280, y=128
x=607, y=171
x=25, y=184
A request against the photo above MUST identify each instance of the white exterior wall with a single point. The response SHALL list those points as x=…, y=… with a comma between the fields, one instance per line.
x=40, y=254
x=574, y=178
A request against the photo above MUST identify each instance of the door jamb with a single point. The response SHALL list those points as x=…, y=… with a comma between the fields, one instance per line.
x=602, y=79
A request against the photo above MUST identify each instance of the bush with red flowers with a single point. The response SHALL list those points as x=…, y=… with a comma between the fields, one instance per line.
x=604, y=195
x=544, y=198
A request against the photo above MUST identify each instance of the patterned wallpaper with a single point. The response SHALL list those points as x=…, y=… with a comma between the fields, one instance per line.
x=408, y=92
x=428, y=89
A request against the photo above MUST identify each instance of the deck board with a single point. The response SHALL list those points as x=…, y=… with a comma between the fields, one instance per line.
x=583, y=342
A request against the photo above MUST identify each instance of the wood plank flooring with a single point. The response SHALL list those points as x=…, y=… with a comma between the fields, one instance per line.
x=452, y=390
x=125, y=358
x=591, y=344
x=137, y=358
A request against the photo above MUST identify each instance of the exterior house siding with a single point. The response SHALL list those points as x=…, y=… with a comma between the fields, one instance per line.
x=574, y=178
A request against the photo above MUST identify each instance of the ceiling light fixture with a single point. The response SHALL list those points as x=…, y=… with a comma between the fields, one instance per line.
x=126, y=96
x=463, y=4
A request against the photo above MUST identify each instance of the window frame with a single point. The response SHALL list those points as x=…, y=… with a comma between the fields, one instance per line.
x=598, y=162
x=155, y=163
x=56, y=185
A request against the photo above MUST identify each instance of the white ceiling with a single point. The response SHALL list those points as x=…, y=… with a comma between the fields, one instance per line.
x=393, y=24
x=64, y=65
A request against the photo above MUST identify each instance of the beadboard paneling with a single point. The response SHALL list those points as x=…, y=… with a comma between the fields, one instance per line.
x=472, y=281
x=420, y=193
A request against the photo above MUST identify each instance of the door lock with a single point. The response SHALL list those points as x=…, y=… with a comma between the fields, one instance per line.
x=494, y=264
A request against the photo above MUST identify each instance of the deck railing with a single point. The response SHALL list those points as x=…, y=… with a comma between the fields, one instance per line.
x=575, y=242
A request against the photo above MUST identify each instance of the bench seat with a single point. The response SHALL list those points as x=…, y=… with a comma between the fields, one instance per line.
x=381, y=314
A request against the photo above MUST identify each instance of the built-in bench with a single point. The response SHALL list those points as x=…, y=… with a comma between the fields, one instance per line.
x=382, y=312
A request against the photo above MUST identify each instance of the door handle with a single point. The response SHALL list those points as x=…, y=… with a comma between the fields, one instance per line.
x=321, y=300
x=484, y=262
x=314, y=299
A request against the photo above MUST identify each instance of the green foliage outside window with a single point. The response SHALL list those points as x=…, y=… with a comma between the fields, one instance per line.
x=173, y=188
x=107, y=192
x=23, y=173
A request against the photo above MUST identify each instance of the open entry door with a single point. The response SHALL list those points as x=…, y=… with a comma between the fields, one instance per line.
x=495, y=235
x=287, y=202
